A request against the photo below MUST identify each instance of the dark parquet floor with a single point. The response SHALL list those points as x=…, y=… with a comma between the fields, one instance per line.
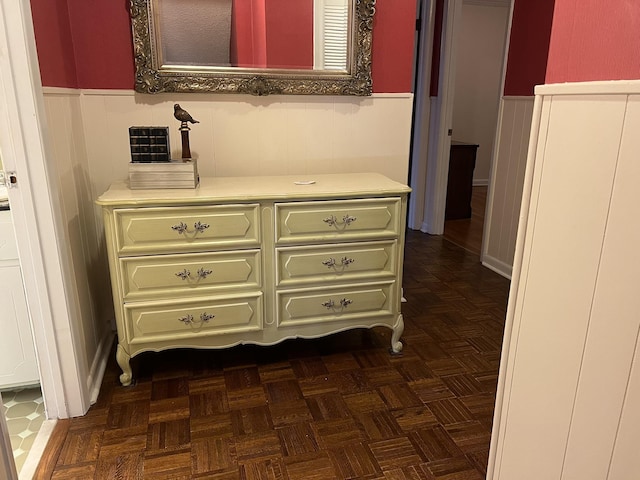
x=340, y=407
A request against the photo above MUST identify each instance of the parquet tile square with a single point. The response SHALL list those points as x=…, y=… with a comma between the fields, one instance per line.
x=339, y=407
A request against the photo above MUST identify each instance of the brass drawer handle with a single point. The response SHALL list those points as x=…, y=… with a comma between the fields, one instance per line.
x=180, y=228
x=346, y=261
x=187, y=319
x=184, y=274
x=203, y=273
x=331, y=262
x=200, y=227
x=205, y=317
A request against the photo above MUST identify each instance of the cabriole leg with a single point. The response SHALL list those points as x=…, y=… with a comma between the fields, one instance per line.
x=123, y=358
x=398, y=328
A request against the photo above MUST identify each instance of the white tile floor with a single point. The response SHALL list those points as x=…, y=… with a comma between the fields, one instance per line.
x=25, y=414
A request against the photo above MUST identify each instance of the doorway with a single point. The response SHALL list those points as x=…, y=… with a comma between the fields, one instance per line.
x=481, y=41
x=19, y=377
x=463, y=108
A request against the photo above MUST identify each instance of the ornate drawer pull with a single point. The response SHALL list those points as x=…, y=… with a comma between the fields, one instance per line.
x=187, y=319
x=345, y=302
x=180, y=228
x=200, y=227
x=346, y=261
x=331, y=220
x=205, y=317
x=203, y=273
x=184, y=274
x=328, y=304
x=331, y=262
x=348, y=219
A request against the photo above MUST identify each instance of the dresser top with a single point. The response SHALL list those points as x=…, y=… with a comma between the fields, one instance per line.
x=233, y=189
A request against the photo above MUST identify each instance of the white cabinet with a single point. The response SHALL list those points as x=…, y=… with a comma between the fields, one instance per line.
x=18, y=364
x=254, y=260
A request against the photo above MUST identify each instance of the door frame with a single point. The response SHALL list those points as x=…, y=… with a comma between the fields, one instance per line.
x=431, y=130
x=34, y=208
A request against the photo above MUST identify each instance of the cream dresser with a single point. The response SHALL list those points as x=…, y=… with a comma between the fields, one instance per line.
x=254, y=260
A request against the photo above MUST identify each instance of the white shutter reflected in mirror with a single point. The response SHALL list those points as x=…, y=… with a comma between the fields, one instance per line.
x=330, y=34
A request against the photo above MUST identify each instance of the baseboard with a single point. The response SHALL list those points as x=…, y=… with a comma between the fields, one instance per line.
x=497, y=266
x=481, y=182
x=99, y=365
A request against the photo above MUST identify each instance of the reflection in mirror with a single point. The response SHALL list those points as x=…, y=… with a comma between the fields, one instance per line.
x=253, y=46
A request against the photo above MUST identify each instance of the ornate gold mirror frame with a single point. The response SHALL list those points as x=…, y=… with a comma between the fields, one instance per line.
x=151, y=77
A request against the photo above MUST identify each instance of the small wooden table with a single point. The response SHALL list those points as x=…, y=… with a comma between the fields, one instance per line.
x=462, y=161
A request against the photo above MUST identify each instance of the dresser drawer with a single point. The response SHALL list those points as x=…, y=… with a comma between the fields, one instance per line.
x=318, y=306
x=353, y=261
x=189, y=274
x=172, y=321
x=337, y=220
x=179, y=229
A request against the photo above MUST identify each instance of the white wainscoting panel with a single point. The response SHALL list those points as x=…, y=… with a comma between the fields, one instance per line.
x=246, y=135
x=89, y=268
x=505, y=186
x=569, y=388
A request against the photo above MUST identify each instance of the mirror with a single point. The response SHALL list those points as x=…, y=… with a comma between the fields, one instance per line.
x=260, y=47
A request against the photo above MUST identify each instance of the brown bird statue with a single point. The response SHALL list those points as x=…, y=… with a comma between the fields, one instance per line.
x=182, y=115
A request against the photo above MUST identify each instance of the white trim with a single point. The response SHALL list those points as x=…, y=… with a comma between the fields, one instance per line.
x=98, y=366
x=438, y=162
x=613, y=87
x=60, y=91
x=497, y=266
x=423, y=106
x=511, y=329
x=517, y=97
x=496, y=141
x=481, y=182
x=36, y=451
x=131, y=93
x=104, y=92
x=488, y=3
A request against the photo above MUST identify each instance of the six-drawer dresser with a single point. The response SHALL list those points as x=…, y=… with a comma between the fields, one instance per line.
x=254, y=260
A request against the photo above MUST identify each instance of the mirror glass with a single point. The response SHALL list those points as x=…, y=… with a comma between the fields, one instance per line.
x=253, y=46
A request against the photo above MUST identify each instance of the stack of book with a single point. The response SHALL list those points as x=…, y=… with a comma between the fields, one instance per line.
x=151, y=165
x=173, y=174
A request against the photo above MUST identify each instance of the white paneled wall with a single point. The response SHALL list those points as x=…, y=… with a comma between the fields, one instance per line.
x=91, y=289
x=245, y=135
x=568, y=401
x=505, y=187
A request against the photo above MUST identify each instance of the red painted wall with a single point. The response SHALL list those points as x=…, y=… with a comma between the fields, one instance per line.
x=529, y=46
x=87, y=44
x=54, y=43
x=290, y=35
x=594, y=40
x=392, y=46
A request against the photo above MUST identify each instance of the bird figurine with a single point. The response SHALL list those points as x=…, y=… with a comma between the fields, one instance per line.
x=182, y=115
